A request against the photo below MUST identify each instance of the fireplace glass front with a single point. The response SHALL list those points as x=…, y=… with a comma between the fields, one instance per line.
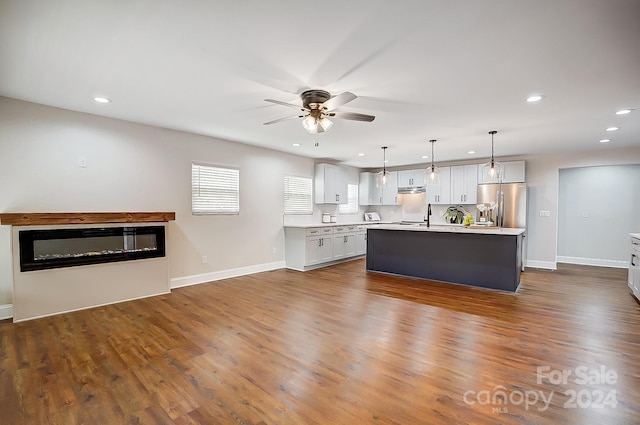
x=48, y=249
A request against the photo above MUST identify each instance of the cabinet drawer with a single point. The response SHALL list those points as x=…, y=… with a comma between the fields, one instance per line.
x=344, y=229
x=318, y=231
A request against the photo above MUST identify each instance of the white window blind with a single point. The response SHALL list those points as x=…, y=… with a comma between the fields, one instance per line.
x=351, y=207
x=214, y=190
x=297, y=195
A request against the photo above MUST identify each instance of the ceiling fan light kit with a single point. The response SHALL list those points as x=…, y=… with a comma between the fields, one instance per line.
x=317, y=107
x=492, y=169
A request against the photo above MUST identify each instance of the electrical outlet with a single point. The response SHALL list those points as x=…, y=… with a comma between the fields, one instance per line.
x=205, y=260
x=275, y=250
x=82, y=162
x=544, y=213
x=585, y=214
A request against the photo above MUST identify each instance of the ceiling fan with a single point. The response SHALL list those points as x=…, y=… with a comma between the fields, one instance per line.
x=317, y=107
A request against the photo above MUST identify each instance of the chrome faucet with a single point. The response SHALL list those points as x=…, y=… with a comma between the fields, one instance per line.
x=428, y=214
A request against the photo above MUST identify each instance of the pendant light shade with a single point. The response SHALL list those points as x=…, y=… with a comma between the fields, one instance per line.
x=382, y=179
x=432, y=173
x=492, y=171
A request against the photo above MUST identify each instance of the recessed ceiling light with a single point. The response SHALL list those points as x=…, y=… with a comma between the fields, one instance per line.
x=102, y=100
x=386, y=160
x=612, y=128
x=605, y=141
x=471, y=152
x=296, y=144
x=624, y=111
x=425, y=156
x=361, y=154
x=535, y=98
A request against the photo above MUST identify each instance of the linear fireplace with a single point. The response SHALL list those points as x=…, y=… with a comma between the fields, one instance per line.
x=55, y=248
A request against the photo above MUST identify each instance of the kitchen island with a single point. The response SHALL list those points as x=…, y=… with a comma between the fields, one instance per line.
x=483, y=257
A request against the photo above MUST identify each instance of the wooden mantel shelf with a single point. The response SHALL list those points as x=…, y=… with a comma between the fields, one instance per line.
x=38, y=219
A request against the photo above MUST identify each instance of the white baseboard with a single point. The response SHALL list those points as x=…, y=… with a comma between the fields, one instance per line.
x=599, y=262
x=24, y=319
x=6, y=311
x=550, y=265
x=179, y=282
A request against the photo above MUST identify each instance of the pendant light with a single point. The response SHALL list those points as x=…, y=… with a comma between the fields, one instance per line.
x=492, y=170
x=382, y=179
x=432, y=174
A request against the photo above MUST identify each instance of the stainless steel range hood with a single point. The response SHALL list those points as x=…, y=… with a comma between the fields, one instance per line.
x=412, y=189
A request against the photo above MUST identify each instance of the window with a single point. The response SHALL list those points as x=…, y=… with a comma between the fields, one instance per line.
x=297, y=195
x=214, y=190
x=351, y=207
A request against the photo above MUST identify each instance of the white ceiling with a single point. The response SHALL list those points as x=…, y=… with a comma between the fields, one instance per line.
x=427, y=69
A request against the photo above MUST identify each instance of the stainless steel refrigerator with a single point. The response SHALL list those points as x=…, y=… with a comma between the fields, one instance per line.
x=511, y=201
x=511, y=210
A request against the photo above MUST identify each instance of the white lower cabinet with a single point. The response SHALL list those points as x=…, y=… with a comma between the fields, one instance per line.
x=634, y=267
x=309, y=248
x=344, y=242
x=361, y=242
x=318, y=250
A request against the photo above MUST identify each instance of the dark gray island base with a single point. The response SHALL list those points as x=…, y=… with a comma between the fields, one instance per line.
x=486, y=259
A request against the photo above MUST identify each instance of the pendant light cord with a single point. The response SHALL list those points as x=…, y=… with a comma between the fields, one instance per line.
x=432, y=157
x=492, y=133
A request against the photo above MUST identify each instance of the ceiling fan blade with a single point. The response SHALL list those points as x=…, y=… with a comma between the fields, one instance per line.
x=352, y=116
x=285, y=104
x=282, y=119
x=339, y=100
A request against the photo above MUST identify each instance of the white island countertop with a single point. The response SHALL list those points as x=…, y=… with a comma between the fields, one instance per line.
x=635, y=235
x=451, y=229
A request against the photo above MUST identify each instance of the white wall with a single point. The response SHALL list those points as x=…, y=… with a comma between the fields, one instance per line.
x=132, y=167
x=543, y=188
x=597, y=209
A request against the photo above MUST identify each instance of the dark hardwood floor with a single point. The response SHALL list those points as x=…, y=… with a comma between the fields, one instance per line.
x=336, y=346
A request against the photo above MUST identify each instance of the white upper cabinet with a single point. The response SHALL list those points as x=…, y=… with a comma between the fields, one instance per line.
x=410, y=178
x=464, y=184
x=369, y=193
x=390, y=191
x=440, y=193
x=513, y=172
x=330, y=183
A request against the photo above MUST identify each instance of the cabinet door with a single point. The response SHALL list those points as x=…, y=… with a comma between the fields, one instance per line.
x=368, y=192
x=464, y=184
x=405, y=178
x=390, y=191
x=458, y=188
x=470, y=184
x=326, y=250
x=312, y=250
x=513, y=172
x=330, y=183
x=441, y=193
x=338, y=246
x=341, y=186
x=350, y=245
x=361, y=242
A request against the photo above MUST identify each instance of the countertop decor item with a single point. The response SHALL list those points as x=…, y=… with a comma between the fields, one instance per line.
x=454, y=215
